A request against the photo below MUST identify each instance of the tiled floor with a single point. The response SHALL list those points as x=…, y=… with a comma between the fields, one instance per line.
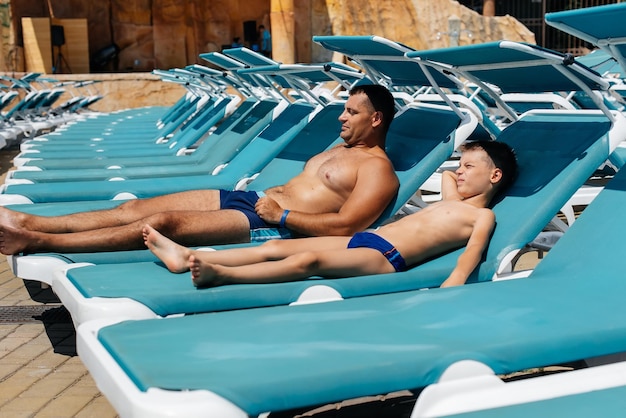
x=40, y=374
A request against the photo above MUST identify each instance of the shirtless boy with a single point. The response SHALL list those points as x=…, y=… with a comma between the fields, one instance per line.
x=340, y=191
x=461, y=218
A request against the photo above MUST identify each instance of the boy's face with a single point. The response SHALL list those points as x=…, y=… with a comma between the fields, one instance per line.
x=476, y=174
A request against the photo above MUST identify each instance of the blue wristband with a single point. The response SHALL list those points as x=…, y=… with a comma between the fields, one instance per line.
x=283, y=218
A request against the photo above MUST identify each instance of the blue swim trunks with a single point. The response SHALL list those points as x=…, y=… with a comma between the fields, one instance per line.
x=244, y=202
x=375, y=242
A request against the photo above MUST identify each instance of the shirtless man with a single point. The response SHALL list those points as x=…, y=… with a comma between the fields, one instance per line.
x=461, y=218
x=340, y=191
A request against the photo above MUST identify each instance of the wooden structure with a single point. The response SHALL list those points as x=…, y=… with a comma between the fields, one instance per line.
x=39, y=53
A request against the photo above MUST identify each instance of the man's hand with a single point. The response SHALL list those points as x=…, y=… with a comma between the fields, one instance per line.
x=268, y=210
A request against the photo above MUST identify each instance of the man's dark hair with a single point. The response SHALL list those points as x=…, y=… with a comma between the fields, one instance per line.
x=503, y=157
x=380, y=98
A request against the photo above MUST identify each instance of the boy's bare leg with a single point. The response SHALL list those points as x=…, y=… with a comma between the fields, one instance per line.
x=126, y=213
x=176, y=256
x=328, y=263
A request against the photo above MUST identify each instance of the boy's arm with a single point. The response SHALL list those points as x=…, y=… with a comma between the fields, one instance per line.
x=448, y=186
x=470, y=257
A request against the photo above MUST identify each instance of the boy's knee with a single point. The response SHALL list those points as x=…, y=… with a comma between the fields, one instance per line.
x=305, y=262
x=272, y=249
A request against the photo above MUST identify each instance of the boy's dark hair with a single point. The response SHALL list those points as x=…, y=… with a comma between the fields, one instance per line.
x=381, y=98
x=503, y=157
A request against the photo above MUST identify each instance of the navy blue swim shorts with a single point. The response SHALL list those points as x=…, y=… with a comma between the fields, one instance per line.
x=244, y=202
x=375, y=242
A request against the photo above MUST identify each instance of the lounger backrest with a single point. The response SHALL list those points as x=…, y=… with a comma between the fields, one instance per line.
x=237, y=130
x=557, y=153
x=601, y=228
x=419, y=140
x=318, y=135
x=383, y=57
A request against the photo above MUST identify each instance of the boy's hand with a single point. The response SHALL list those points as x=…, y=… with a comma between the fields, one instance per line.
x=450, y=281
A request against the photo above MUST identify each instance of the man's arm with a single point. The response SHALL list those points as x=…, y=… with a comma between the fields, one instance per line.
x=376, y=185
x=470, y=257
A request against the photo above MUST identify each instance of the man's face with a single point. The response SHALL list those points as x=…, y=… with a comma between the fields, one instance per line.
x=476, y=173
x=357, y=119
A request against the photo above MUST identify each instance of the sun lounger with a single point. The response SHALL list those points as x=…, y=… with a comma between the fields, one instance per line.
x=601, y=26
x=596, y=391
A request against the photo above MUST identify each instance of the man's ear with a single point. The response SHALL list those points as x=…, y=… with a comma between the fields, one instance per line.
x=496, y=175
x=377, y=118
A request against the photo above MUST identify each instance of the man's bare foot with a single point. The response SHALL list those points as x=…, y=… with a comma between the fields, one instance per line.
x=204, y=274
x=15, y=240
x=174, y=256
x=11, y=218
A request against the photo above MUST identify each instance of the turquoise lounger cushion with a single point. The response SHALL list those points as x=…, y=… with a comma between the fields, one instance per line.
x=599, y=403
x=314, y=354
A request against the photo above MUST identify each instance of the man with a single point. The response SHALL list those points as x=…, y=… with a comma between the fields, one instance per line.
x=265, y=39
x=461, y=218
x=340, y=191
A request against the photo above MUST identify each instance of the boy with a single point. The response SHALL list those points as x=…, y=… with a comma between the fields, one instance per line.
x=461, y=218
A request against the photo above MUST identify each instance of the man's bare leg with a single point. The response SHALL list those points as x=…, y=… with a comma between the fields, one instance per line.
x=187, y=227
x=124, y=214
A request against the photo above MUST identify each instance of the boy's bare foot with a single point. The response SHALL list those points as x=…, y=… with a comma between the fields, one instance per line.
x=15, y=240
x=204, y=274
x=174, y=256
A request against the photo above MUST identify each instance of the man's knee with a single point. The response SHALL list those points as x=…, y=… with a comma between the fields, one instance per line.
x=163, y=222
x=129, y=206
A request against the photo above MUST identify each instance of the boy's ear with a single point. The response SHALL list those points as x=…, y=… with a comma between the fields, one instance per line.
x=496, y=175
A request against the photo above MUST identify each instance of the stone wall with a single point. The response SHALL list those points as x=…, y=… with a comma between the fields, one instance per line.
x=422, y=24
x=150, y=33
x=172, y=33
